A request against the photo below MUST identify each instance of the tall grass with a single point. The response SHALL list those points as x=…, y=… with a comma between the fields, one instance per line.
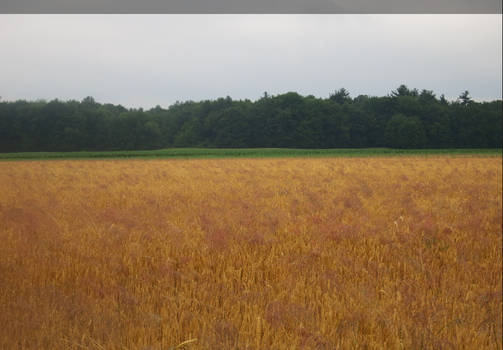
x=332, y=253
x=187, y=153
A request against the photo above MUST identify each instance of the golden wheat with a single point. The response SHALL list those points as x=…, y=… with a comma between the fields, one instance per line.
x=368, y=253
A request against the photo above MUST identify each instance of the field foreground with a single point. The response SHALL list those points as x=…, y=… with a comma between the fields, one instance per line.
x=370, y=253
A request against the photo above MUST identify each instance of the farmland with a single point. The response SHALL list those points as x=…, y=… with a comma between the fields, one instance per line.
x=267, y=253
x=191, y=153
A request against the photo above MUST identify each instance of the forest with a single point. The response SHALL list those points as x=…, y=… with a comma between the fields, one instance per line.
x=406, y=118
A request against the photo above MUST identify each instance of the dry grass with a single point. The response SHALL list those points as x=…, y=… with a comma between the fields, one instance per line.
x=251, y=254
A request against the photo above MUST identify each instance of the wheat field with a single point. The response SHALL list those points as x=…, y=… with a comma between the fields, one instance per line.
x=327, y=253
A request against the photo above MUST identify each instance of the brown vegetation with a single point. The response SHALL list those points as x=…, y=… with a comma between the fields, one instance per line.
x=367, y=253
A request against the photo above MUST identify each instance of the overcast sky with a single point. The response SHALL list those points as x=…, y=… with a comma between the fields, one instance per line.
x=145, y=60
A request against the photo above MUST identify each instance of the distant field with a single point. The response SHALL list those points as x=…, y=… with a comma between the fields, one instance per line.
x=332, y=253
x=248, y=153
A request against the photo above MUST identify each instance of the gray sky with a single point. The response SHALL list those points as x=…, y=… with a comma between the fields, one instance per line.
x=255, y=6
x=145, y=60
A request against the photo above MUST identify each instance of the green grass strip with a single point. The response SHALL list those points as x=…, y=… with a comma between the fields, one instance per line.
x=187, y=153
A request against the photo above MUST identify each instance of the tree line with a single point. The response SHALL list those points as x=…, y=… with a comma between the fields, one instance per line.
x=406, y=118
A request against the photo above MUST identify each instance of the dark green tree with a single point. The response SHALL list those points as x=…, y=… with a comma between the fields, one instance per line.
x=405, y=132
x=340, y=96
x=465, y=98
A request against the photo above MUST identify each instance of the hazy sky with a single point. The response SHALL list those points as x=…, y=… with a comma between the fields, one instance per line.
x=145, y=60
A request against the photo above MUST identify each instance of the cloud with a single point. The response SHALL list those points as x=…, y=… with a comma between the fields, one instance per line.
x=144, y=60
